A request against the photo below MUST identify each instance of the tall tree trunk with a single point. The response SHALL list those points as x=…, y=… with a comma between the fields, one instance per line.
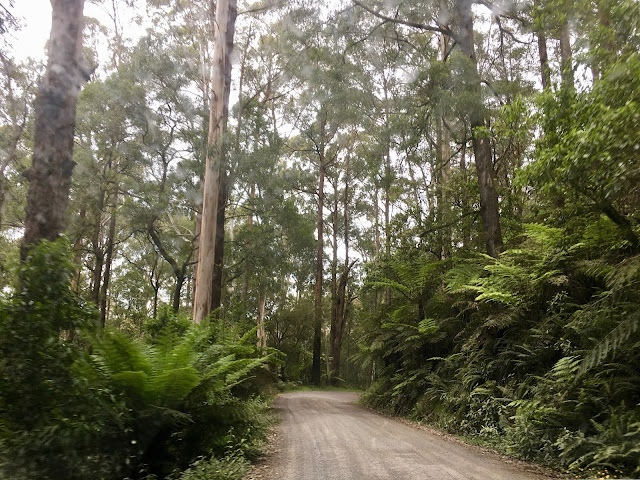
x=566, y=56
x=444, y=157
x=156, y=290
x=218, y=267
x=177, y=292
x=334, y=259
x=340, y=317
x=226, y=12
x=108, y=263
x=489, y=208
x=218, y=264
x=189, y=296
x=237, y=150
x=55, y=112
x=387, y=184
x=155, y=285
x=98, y=254
x=262, y=334
x=196, y=255
x=317, y=322
x=245, y=277
x=376, y=222
x=541, y=34
x=77, y=252
x=545, y=70
x=96, y=241
x=466, y=226
x=443, y=154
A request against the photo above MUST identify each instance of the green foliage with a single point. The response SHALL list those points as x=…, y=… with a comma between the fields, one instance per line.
x=166, y=324
x=55, y=421
x=536, y=356
x=586, y=159
x=129, y=409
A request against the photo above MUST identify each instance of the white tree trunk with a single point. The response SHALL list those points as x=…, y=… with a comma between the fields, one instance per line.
x=262, y=334
x=217, y=109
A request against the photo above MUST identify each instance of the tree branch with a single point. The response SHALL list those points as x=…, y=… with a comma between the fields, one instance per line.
x=421, y=26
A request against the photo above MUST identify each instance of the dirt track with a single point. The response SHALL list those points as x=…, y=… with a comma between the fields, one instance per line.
x=324, y=436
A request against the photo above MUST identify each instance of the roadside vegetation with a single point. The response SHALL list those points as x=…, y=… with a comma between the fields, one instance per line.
x=79, y=403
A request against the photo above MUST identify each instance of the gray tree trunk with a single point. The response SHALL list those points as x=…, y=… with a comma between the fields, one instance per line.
x=50, y=173
x=489, y=208
x=317, y=322
x=225, y=10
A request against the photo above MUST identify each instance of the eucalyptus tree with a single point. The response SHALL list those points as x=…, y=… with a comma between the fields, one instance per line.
x=165, y=204
x=141, y=281
x=436, y=19
x=224, y=28
x=262, y=92
x=109, y=155
x=55, y=111
x=329, y=100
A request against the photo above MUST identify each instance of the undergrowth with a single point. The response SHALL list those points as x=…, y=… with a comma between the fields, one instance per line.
x=535, y=354
x=77, y=402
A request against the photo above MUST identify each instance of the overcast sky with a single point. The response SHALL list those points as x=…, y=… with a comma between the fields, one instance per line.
x=35, y=17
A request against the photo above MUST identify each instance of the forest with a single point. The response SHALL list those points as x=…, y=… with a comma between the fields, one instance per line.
x=203, y=203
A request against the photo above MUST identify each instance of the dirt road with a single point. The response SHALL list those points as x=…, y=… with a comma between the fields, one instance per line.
x=324, y=436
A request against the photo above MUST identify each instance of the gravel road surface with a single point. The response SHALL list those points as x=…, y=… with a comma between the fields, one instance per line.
x=324, y=436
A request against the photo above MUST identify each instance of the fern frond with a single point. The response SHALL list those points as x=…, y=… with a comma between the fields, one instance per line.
x=610, y=344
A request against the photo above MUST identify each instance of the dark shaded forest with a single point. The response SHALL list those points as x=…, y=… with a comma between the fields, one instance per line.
x=205, y=203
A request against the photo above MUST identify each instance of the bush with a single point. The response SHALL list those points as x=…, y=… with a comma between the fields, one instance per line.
x=130, y=409
x=57, y=419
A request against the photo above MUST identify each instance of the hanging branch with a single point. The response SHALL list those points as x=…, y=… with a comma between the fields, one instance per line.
x=421, y=26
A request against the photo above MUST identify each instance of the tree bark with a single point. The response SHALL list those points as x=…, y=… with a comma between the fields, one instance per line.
x=225, y=12
x=50, y=173
x=317, y=324
x=334, y=259
x=99, y=259
x=262, y=334
x=77, y=253
x=466, y=227
x=443, y=156
x=489, y=208
x=545, y=70
x=218, y=265
x=566, y=56
x=104, y=290
x=340, y=317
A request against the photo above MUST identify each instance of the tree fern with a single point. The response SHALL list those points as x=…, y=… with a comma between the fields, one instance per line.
x=611, y=344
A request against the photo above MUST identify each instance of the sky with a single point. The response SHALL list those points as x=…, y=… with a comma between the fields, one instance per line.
x=35, y=18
